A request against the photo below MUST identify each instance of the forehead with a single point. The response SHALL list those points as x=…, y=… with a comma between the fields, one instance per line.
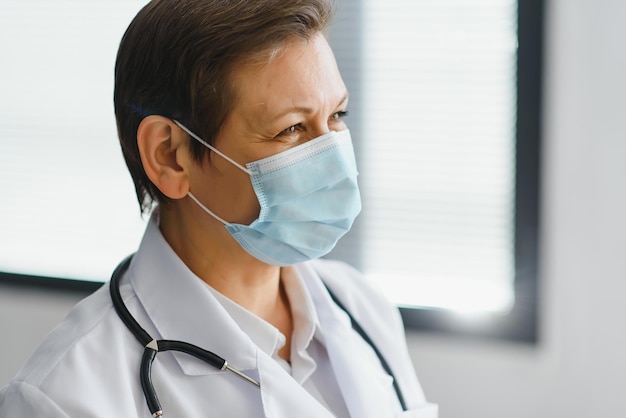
x=300, y=73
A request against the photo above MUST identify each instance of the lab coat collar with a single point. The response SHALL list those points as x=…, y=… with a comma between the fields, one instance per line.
x=172, y=295
x=182, y=307
x=267, y=337
x=282, y=396
x=306, y=323
x=365, y=390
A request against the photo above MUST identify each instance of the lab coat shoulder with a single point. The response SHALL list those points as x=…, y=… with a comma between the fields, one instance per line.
x=362, y=297
x=379, y=318
x=22, y=399
x=64, y=376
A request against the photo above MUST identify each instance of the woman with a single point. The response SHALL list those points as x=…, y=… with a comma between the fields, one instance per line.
x=230, y=117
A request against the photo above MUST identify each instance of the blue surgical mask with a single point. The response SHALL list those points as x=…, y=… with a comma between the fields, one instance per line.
x=308, y=195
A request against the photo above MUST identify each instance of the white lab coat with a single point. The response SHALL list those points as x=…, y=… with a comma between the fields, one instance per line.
x=89, y=365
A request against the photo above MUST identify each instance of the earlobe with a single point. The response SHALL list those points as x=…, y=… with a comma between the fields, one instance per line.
x=163, y=155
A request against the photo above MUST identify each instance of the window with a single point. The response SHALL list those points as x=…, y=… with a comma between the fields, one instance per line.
x=444, y=112
x=449, y=94
x=67, y=200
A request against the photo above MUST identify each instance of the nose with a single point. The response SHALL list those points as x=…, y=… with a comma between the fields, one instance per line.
x=325, y=126
x=320, y=132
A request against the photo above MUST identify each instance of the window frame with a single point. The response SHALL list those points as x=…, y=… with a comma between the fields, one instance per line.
x=521, y=323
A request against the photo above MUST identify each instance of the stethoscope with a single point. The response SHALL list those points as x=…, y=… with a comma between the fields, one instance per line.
x=152, y=346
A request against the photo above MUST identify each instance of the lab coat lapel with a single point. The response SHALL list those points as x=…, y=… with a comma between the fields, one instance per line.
x=181, y=307
x=282, y=396
x=365, y=394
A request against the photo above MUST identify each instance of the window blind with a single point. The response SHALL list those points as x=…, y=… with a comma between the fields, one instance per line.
x=438, y=151
x=67, y=201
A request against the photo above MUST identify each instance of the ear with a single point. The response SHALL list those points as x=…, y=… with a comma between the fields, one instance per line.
x=164, y=155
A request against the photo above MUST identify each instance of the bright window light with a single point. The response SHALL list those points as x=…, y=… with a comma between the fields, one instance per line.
x=439, y=151
x=68, y=205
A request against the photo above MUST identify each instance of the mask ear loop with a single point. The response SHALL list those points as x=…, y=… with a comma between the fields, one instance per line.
x=212, y=148
x=207, y=210
x=221, y=154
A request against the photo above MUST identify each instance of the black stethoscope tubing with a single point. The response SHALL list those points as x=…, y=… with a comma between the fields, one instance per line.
x=152, y=346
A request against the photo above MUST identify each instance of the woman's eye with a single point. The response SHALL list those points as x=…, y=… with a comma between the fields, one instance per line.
x=291, y=130
x=339, y=115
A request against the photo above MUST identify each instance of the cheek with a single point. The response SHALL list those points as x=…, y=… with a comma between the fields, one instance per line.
x=228, y=192
x=246, y=203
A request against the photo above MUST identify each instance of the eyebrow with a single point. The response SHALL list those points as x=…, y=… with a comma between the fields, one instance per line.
x=301, y=109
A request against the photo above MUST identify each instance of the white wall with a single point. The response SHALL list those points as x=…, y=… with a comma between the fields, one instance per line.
x=578, y=369
x=26, y=316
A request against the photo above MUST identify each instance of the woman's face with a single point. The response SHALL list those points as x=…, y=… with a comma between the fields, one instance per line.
x=297, y=96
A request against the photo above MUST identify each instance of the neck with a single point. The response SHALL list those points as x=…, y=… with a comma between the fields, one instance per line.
x=216, y=258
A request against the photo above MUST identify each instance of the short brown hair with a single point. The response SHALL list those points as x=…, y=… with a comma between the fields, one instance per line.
x=176, y=57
